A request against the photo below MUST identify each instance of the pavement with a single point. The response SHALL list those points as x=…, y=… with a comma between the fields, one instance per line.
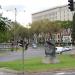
x=59, y=73
x=10, y=72
x=4, y=71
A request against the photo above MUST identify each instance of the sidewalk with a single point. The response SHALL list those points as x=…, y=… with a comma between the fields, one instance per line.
x=4, y=71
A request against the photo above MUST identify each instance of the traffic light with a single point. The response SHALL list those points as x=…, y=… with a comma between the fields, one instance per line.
x=71, y=5
x=21, y=43
x=26, y=46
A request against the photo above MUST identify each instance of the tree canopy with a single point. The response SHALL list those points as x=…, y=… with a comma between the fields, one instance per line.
x=49, y=26
x=4, y=27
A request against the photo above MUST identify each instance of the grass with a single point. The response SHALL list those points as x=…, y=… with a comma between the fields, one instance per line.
x=35, y=64
x=3, y=54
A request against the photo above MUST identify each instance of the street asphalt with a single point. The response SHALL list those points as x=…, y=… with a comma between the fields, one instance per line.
x=10, y=56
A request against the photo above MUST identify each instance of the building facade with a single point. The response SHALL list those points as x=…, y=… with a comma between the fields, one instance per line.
x=61, y=13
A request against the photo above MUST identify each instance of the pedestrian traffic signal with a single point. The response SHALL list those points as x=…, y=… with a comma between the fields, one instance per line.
x=21, y=43
x=71, y=5
x=26, y=46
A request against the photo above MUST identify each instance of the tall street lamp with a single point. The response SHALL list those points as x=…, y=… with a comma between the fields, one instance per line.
x=1, y=11
x=28, y=27
x=21, y=41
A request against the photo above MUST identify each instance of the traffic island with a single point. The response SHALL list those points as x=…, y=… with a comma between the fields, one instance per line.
x=50, y=60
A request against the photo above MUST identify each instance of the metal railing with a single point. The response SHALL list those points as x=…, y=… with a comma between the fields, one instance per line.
x=5, y=46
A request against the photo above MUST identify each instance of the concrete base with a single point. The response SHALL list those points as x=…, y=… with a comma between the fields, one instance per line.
x=50, y=60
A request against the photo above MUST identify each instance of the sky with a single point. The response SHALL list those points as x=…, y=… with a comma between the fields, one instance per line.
x=27, y=7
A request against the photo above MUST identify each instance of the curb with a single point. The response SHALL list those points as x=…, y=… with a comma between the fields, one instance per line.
x=6, y=70
x=13, y=72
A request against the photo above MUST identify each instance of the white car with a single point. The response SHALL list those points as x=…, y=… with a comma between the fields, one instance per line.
x=67, y=48
x=59, y=50
x=34, y=45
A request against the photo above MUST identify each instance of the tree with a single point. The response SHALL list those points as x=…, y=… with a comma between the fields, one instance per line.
x=66, y=24
x=45, y=26
x=18, y=32
x=4, y=27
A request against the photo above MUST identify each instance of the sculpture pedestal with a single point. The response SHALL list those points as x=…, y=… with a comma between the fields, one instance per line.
x=50, y=60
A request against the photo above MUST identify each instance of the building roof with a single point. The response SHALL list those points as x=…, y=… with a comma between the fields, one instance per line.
x=50, y=9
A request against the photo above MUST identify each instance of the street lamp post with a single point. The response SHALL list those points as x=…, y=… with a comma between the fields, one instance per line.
x=28, y=27
x=1, y=11
x=15, y=14
x=23, y=58
x=22, y=41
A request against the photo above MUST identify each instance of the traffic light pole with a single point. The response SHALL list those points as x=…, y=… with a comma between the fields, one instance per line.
x=24, y=47
x=23, y=58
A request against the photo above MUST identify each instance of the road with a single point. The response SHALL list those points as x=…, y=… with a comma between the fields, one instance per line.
x=10, y=56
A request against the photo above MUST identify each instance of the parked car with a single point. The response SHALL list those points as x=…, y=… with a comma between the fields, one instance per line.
x=34, y=45
x=59, y=50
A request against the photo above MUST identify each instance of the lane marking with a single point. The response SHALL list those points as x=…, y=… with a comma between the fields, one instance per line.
x=1, y=73
x=60, y=73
